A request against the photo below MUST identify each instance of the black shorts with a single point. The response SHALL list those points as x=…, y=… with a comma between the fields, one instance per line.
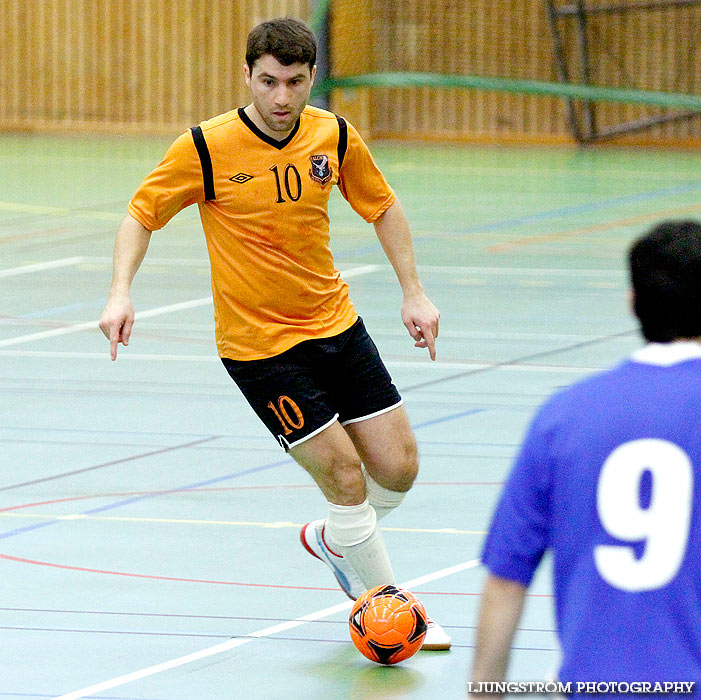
x=306, y=388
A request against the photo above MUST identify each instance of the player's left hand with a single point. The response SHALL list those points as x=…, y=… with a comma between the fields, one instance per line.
x=421, y=318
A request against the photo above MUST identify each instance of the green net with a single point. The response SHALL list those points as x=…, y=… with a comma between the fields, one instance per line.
x=628, y=65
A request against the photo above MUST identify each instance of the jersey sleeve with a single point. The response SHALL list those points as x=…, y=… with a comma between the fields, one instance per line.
x=519, y=532
x=174, y=184
x=361, y=182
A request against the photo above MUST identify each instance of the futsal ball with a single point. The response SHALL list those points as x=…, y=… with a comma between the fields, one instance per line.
x=388, y=624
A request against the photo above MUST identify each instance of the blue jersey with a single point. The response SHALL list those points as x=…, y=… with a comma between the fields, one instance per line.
x=609, y=479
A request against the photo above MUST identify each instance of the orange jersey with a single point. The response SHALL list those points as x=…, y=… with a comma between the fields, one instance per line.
x=264, y=210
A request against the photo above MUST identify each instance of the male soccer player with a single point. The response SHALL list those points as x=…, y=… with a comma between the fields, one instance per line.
x=286, y=330
x=609, y=479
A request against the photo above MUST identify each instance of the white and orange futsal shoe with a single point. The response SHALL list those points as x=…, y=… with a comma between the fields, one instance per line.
x=313, y=540
x=436, y=638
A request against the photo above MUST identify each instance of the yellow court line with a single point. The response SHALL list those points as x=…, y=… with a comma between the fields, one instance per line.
x=239, y=523
x=592, y=228
x=34, y=209
x=21, y=208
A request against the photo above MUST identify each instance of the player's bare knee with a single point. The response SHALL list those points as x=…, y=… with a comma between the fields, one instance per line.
x=344, y=483
x=401, y=473
x=408, y=473
x=348, y=476
x=400, y=479
x=412, y=469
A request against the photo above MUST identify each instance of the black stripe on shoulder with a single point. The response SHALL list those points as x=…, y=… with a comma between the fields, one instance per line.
x=342, y=140
x=205, y=162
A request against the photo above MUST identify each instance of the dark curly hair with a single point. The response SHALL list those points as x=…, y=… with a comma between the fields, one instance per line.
x=286, y=39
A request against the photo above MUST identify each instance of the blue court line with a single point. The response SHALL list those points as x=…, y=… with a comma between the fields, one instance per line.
x=580, y=208
x=135, y=633
x=114, y=433
x=153, y=494
x=544, y=215
x=53, y=695
x=28, y=528
x=67, y=308
x=207, y=482
x=111, y=463
x=453, y=416
x=190, y=487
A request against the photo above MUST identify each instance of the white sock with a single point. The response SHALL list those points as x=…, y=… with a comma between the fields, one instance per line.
x=353, y=532
x=381, y=499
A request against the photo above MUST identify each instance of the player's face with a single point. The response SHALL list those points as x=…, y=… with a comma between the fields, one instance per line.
x=280, y=93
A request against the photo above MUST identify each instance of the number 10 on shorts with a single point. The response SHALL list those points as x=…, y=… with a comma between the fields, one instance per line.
x=285, y=407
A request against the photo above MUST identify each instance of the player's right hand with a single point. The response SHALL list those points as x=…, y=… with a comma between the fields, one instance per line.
x=117, y=321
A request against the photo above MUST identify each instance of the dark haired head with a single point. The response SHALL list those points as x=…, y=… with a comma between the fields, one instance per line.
x=665, y=270
x=287, y=40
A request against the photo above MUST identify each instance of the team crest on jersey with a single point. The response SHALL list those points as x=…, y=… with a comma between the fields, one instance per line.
x=321, y=170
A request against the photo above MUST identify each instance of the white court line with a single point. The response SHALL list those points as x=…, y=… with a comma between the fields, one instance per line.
x=357, y=271
x=204, y=301
x=66, y=330
x=124, y=356
x=438, y=269
x=418, y=364
x=47, y=334
x=433, y=269
x=38, y=267
x=240, y=641
x=523, y=271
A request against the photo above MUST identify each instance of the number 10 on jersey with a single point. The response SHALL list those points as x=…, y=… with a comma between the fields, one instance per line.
x=292, y=183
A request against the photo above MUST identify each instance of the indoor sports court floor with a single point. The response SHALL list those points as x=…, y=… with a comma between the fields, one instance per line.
x=149, y=524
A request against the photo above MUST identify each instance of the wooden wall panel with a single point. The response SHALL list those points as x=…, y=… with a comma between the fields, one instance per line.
x=162, y=65
x=129, y=65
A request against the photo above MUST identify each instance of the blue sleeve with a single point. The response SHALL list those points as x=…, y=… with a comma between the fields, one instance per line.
x=519, y=532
